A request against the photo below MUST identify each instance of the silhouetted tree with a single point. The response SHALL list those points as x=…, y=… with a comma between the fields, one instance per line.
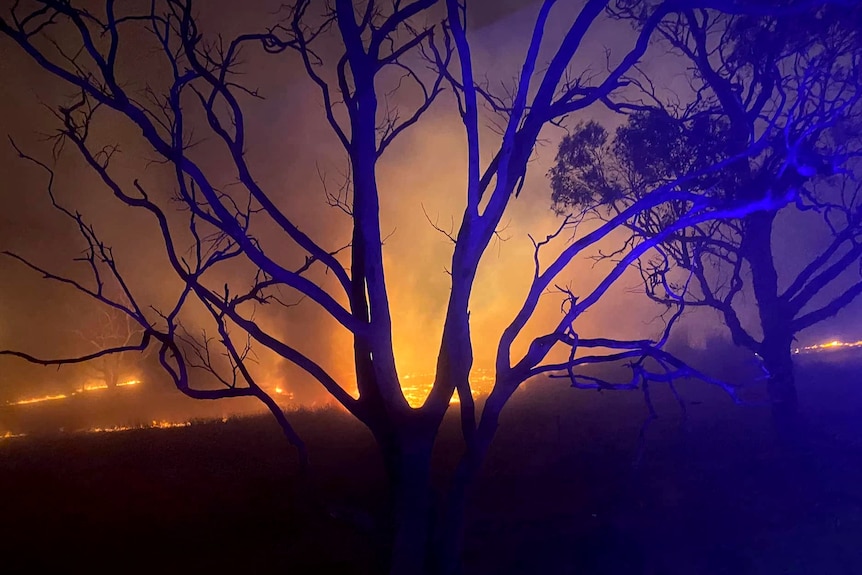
x=789, y=86
x=378, y=46
x=108, y=328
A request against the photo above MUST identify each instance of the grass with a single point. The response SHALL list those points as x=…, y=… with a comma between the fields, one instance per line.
x=715, y=494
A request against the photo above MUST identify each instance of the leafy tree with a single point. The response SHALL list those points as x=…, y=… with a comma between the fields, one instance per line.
x=788, y=86
x=356, y=54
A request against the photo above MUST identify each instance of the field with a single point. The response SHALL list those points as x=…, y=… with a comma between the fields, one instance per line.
x=713, y=493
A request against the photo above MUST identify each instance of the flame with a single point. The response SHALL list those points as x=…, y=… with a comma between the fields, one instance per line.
x=10, y=435
x=834, y=344
x=153, y=425
x=87, y=387
x=170, y=424
x=94, y=387
x=281, y=391
x=39, y=399
x=416, y=391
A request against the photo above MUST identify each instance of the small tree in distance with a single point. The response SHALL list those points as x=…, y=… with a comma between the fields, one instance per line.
x=109, y=328
x=739, y=88
x=216, y=227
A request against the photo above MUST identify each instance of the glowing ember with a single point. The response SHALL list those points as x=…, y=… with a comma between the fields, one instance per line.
x=10, y=435
x=128, y=383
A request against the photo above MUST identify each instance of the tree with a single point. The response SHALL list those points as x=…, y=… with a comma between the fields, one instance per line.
x=110, y=328
x=422, y=42
x=789, y=83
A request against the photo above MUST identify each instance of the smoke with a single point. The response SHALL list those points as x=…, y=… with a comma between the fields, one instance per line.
x=293, y=154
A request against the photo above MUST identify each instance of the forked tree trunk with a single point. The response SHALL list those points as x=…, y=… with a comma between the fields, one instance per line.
x=425, y=540
x=449, y=536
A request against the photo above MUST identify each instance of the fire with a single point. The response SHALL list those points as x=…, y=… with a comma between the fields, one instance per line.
x=170, y=424
x=10, y=435
x=281, y=391
x=39, y=399
x=416, y=386
x=834, y=344
x=153, y=425
x=87, y=387
x=94, y=387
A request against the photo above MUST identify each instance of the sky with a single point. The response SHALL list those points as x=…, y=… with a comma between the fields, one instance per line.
x=289, y=146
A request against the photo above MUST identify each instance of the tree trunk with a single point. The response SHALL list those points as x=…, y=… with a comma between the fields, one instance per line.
x=112, y=378
x=781, y=386
x=408, y=466
x=775, y=320
x=449, y=535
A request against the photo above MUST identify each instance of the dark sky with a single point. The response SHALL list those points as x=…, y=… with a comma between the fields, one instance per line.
x=287, y=142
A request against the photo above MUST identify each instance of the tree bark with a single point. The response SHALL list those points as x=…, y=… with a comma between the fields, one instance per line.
x=449, y=536
x=408, y=466
x=775, y=318
x=781, y=386
x=425, y=539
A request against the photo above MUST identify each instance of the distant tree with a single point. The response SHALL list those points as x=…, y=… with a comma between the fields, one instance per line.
x=374, y=47
x=106, y=329
x=787, y=86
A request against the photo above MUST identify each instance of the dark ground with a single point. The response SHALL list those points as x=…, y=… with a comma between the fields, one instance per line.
x=559, y=494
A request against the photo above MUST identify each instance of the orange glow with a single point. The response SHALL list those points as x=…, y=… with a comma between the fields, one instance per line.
x=39, y=399
x=95, y=386
x=416, y=386
x=84, y=388
x=10, y=435
x=835, y=344
x=153, y=425
x=281, y=391
x=170, y=424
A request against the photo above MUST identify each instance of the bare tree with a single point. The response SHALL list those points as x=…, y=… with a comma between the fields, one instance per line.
x=423, y=42
x=108, y=328
x=789, y=82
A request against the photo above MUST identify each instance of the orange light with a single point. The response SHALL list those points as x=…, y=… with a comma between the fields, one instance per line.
x=153, y=425
x=416, y=391
x=170, y=424
x=829, y=345
x=94, y=387
x=39, y=399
